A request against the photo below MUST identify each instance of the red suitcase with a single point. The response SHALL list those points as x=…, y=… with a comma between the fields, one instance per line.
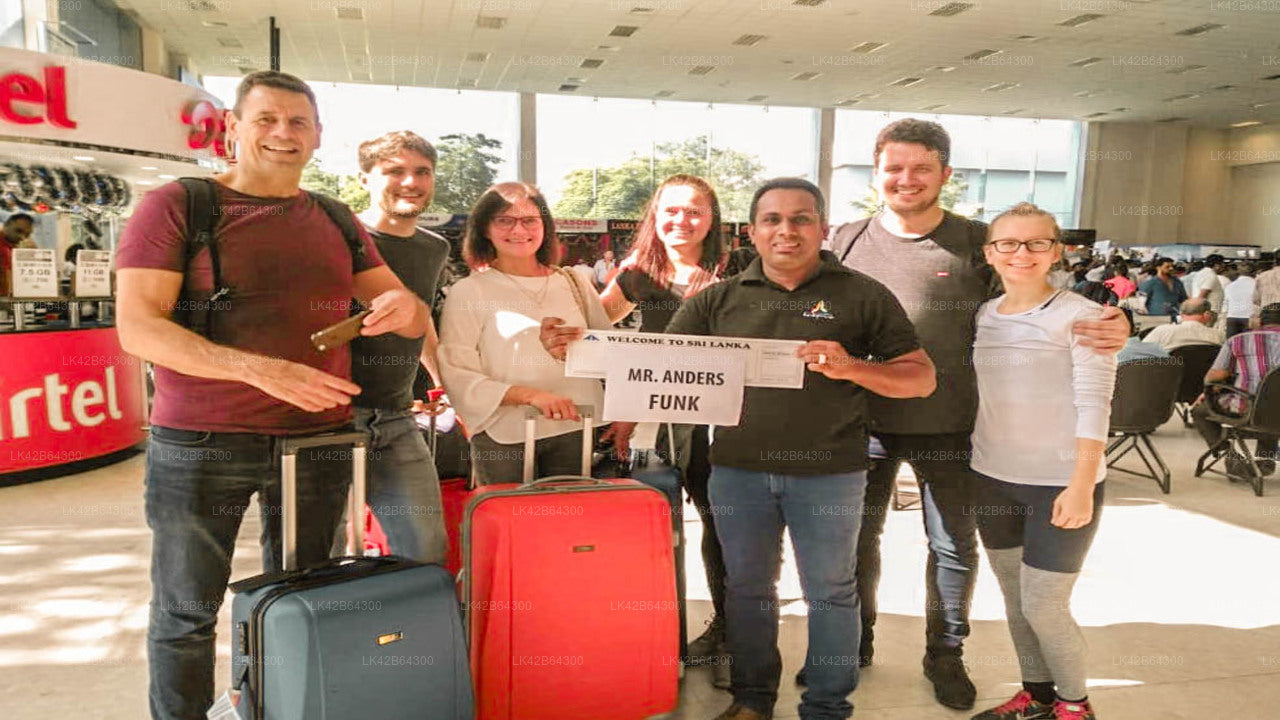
x=570, y=589
x=454, y=494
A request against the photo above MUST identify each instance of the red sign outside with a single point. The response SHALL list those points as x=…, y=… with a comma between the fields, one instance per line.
x=65, y=397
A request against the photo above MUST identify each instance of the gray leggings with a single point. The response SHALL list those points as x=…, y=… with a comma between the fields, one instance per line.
x=493, y=462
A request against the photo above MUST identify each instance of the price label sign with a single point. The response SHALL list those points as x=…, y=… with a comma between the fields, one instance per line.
x=93, y=273
x=35, y=274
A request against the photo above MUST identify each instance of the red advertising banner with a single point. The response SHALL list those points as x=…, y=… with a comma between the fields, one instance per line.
x=65, y=397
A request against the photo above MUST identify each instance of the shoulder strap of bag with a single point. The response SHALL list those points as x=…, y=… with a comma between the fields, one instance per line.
x=853, y=231
x=341, y=216
x=578, y=296
x=202, y=232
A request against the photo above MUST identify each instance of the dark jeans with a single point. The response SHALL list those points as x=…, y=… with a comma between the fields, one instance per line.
x=493, y=462
x=404, y=490
x=1235, y=326
x=822, y=513
x=941, y=465
x=198, y=486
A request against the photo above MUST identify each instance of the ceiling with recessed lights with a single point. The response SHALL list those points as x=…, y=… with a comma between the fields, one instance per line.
x=1207, y=62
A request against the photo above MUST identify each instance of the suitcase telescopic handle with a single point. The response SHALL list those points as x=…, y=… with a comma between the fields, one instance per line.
x=531, y=415
x=289, y=448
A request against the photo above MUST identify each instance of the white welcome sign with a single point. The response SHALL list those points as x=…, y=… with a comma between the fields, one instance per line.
x=700, y=386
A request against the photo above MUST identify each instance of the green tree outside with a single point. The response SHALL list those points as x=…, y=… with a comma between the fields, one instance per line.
x=467, y=166
x=346, y=188
x=621, y=191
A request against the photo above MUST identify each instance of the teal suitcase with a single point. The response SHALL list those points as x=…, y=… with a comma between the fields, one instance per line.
x=352, y=639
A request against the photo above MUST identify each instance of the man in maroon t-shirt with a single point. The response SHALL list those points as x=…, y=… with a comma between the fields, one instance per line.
x=223, y=402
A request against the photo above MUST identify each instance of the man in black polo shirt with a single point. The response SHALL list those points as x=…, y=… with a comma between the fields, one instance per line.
x=797, y=459
x=404, y=491
x=932, y=262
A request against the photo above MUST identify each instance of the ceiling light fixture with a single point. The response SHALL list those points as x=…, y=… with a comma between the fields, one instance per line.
x=952, y=9
x=1079, y=20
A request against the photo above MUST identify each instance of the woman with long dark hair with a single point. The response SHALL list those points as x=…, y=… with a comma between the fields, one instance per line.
x=678, y=250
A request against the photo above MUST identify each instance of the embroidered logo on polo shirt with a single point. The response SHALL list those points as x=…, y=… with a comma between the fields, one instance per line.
x=819, y=311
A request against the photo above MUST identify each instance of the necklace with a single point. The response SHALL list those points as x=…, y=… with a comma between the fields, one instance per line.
x=537, y=298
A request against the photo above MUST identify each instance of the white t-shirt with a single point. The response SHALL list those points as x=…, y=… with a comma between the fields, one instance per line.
x=1038, y=390
x=489, y=341
x=601, y=271
x=1239, y=297
x=1207, y=278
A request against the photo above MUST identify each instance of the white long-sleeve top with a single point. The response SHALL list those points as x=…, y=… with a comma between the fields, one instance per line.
x=1038, y=390
x=489, y=342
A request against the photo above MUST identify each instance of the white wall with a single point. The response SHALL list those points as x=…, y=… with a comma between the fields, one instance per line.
x=1133, y=181
x=1255, y=205
x=1149, y=183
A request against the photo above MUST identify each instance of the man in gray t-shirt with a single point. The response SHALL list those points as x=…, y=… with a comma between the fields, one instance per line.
x=932, y=261
x=398, y=169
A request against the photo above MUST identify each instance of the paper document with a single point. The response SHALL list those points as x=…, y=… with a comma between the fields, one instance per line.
x=769, y=363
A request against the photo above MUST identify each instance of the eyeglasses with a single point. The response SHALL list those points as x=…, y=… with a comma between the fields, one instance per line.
x=1038, y=245
x=528, y=222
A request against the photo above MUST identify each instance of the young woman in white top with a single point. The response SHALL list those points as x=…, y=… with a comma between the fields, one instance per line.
x=1038, y=449
x=491, y=359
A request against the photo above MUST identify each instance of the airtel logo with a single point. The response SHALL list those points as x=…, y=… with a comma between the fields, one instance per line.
x=86, y=404
x=17, y=88
x=208, y=127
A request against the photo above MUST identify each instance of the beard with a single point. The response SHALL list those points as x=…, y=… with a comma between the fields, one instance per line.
x=918, y=203
x=396, y=209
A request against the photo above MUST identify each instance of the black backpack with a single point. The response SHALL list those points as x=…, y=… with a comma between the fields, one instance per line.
x=196, y=314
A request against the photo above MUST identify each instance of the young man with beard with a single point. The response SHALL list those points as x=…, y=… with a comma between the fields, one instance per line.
x=932, y=261
x=398, y=169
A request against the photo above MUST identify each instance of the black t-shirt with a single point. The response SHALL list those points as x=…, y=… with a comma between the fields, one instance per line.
x=821, y=428
x=657, y=304
x=384, y=366
x=940, y=279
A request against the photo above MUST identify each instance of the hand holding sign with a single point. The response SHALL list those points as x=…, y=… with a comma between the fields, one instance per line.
x=827, y=357
x=556, y=336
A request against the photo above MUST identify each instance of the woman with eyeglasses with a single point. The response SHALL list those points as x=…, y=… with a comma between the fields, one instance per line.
x=1044, y=404
x=677, y=252
x=491, y=359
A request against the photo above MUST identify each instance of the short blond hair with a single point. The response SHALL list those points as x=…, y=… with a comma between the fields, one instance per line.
x=1025, y=209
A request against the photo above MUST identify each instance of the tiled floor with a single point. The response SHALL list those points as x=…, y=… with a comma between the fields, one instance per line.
x=1180, y=602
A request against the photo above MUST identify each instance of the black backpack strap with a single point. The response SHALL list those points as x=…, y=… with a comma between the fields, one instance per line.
x=202, y=226
x=341, y=216
x=846, y=235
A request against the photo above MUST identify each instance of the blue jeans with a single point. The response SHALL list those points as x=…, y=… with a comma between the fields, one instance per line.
x=822, y=513
x=404, y=490
x=198, y=486
x=941, y=466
